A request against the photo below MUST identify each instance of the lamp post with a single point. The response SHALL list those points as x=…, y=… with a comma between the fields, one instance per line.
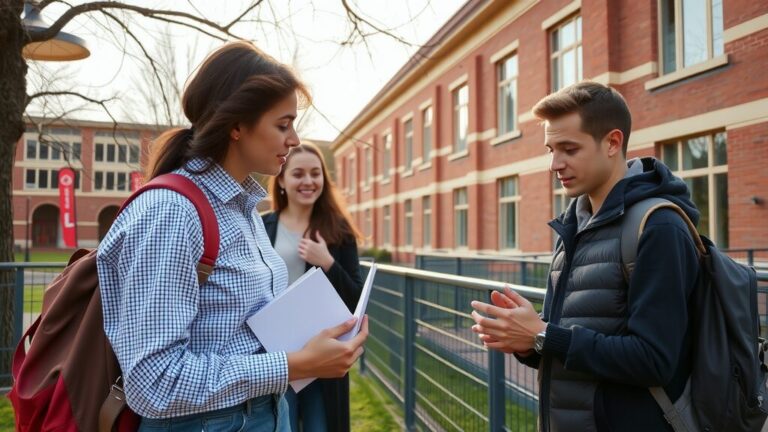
x=63, y=47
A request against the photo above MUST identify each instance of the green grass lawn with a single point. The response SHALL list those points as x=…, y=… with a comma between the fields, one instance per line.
x=368, y=407
x=52, y=256
x=6, y=414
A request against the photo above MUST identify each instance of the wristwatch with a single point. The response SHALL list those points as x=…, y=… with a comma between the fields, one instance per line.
x=538, y=341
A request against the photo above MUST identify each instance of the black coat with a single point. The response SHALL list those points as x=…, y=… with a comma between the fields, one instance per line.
x=345, y=277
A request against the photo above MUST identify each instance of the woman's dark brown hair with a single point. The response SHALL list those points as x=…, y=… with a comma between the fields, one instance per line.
x=329, y=215
x=233, y=87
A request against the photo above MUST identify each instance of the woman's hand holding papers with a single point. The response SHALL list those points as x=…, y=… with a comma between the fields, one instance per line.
x=326, y=357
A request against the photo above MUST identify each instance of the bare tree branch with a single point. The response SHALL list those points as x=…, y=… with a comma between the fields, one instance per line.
x=356, y=19
x=74, y=11
x=148, y=57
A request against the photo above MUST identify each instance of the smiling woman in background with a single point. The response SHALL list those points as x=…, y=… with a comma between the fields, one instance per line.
x=309, y=227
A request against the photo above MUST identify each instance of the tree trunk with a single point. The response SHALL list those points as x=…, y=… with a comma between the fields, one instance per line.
x=13, y=71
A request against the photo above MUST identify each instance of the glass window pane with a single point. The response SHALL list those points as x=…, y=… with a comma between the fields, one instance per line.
x=110, y=181
x=694, y=32
x=699, y=187
x=98, y=180
x=42, y=179
x=717, y=27
x=508, y=187
x=578, y=28
x=567, y=34
x=669, y=156
x=695, y=153
x=56, y=150
x=511, y=224
x=579, y=67
x=427, y=137
x=721, y=209
x=43, y=151
x=463, y=95
x=31, y=180
x=554, y=42
x=668, y=35
x=121, y=183
x=509, y=68
x=55, y=178
x=134, y=154
x=569, y=68
x=77, y=150
x=31, y=149
x=110, y=152
x=99, y=153
x=721, y=153
x=122, y=154
x=556, y=85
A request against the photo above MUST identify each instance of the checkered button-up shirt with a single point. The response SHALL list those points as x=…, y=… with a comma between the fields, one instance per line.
x=185, y=348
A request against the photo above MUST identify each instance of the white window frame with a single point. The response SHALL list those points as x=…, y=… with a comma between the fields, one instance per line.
x=368, y=166
x=460, y=109
x=679, y=35
x=508, y=82
x=504, y=203
x=386, y=157
x=426, y=221
x=556, y=56
x=408, y=220
x=427, y=145
x=457, y=209
x=408, y=144
x=710, y=171
x=387, y=221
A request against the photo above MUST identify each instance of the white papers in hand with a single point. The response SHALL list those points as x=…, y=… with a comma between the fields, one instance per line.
x=290, y=320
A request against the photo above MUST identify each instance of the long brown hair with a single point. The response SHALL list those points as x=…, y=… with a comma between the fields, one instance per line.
x=234, y=86
x=329, y=216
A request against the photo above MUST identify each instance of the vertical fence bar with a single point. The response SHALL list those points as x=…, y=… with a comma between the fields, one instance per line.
x=409, y=351
x=751, y=257
x=524, y=273
x=458, y=267
x=18, y=310
x=496, y=390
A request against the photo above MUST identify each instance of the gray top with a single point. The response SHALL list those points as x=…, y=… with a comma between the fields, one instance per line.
x=287, y=246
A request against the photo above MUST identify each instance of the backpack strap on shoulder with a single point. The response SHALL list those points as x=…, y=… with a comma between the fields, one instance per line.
x=180, y=184
x=633, y=225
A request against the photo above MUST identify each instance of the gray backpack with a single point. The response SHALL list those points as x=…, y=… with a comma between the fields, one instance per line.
x=727, y=386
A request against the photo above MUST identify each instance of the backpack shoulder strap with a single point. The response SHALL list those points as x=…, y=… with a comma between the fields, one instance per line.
x=634, y=223
x=180, y=184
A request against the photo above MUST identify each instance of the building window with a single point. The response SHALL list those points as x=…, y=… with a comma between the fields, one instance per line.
x=426, y=134
x=508, y=213
x=368, y=166
x=386, y=156
x=691, y=32
x=507, y=95
x=460, y=217
x=387, y=226
x=426, y=221
x=460, y=118
x=408, y=140
x=45, y=179
x=566, y=54
x=134, y=154
x=702, y=162
x=368, y=226
x=98, y=153
x=408, y=223
x=352, y=175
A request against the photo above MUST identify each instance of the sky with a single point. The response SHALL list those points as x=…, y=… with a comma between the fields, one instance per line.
x=306, y=34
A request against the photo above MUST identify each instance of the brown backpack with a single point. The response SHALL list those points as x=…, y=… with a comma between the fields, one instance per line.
x=69, y=378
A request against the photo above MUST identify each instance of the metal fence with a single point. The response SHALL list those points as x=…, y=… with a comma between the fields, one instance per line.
x=532, y=270
x=422, y=350
x=29, y=282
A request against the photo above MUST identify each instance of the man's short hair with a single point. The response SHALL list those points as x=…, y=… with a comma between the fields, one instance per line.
x=601, y=108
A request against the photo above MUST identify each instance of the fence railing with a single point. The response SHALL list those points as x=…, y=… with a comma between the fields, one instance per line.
x=29, y=282
x=422, y=350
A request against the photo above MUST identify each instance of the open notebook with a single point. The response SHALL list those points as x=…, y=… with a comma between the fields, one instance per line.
x=305, y=308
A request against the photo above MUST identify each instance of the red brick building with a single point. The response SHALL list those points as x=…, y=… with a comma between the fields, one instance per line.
x=448, y=157
x=103, y=164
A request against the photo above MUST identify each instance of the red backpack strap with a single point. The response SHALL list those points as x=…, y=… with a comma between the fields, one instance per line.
x=180, y=184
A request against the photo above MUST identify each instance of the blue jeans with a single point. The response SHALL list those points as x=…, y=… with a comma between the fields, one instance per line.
x=262, y=414
x=307, y=408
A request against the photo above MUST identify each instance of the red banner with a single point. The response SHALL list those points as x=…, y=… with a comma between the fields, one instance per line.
x=135, y=181
x=67, y=207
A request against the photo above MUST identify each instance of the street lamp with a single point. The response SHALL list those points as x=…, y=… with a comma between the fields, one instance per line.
x=63, y=47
